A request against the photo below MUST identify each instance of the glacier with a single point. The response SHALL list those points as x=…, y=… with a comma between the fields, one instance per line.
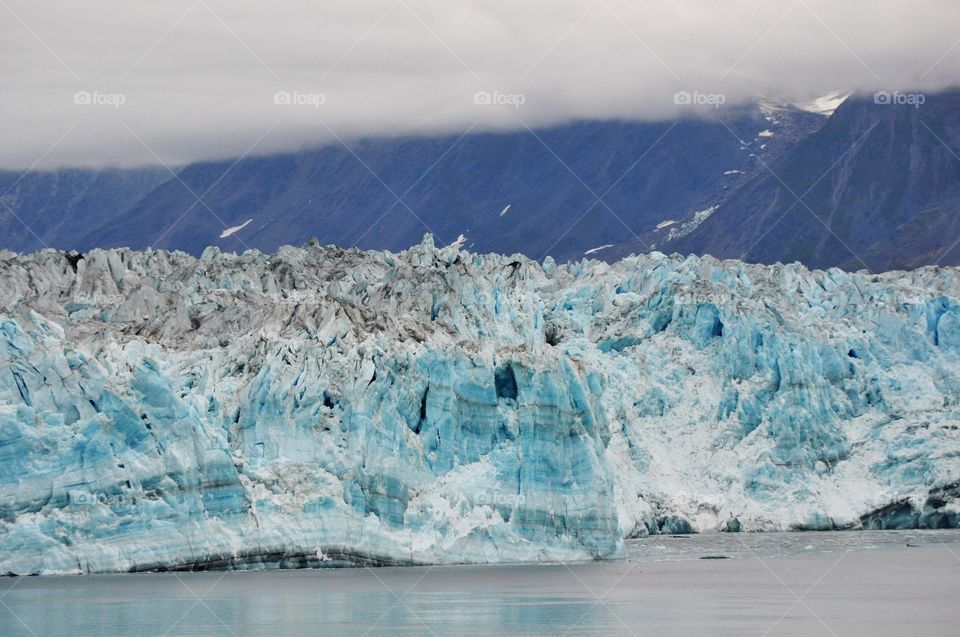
x=325, y=407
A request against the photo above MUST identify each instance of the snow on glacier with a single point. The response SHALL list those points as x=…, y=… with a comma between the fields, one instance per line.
x=322, y=406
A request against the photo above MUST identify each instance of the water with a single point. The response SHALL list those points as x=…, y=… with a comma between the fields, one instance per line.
x=838, y=583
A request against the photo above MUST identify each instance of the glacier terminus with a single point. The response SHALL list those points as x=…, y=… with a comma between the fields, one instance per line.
x=325, y=407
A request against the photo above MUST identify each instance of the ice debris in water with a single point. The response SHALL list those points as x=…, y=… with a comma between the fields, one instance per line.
x=322, y=406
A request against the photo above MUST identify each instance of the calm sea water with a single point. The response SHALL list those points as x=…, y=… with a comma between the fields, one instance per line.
x=838, y=583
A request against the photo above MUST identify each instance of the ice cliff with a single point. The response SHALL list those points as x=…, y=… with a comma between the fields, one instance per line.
x=326, y=406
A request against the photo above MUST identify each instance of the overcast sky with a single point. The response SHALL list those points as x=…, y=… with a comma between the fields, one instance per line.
x=181, y=80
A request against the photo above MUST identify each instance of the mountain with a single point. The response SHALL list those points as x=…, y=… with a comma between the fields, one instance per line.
x=841, y=181
x=529, y=192
x=41, y=208
x=321, y=406
x=877, y=187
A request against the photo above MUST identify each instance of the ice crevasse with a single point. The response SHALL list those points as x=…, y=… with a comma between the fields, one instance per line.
x=321, y=406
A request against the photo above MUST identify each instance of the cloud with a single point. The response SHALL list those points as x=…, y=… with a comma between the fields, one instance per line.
x=121, y=83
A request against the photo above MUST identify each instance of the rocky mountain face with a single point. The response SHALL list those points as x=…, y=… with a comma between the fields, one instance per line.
x=877, y=187
x=59, y=208
x=321, y=406
x=869, y=185
x=530, y=192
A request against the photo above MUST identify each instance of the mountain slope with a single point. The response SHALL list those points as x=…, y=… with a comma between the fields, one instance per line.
x=878, y=186
x=58, y=208
x=872, y=185
x=332, y=194
x=506, y=192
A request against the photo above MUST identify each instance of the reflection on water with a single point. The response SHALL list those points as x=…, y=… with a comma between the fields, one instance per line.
x=874, y=583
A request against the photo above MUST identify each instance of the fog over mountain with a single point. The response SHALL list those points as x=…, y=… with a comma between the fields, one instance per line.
x=109, y=83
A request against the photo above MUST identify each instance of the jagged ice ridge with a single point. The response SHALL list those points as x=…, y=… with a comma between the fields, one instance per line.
x=322, y=406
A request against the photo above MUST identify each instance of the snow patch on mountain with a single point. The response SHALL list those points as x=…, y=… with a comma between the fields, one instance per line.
x=825, y=104
x=689, y=226
x=599, y=248
x=235, y=229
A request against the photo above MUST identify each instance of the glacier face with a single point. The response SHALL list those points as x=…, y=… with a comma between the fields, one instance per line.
x=321, y=406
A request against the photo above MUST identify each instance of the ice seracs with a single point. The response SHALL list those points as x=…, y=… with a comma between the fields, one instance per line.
x=458, y=242
x=321, y=406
